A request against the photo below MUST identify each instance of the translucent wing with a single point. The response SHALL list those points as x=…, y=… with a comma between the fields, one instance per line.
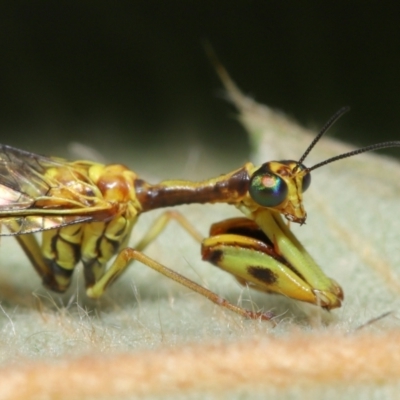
x=32, y=224
x=38, y=193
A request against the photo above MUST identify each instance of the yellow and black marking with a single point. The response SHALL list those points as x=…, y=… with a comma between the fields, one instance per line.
x=86, y=212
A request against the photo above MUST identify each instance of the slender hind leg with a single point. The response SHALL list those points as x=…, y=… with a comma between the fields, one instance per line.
x=33, y=251
x=161, y=223
x=128, y=255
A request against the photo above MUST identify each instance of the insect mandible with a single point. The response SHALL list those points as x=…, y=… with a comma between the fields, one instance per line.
x=86, y=212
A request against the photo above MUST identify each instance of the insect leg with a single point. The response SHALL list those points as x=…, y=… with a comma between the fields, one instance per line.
x=128, y=254
x=101, y=241
x=94, y=267
x=33, y=251
x=160, y=224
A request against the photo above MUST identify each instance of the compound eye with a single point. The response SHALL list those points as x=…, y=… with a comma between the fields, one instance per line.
x=306, y=181
x=267, y=189
x=306, y=178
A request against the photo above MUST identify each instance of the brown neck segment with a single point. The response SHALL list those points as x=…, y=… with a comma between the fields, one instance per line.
x=229, y=188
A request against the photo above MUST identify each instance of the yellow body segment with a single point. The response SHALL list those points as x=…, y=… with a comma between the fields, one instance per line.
x=93, y=243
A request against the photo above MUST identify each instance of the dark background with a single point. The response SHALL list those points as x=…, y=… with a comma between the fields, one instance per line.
x=135, y=74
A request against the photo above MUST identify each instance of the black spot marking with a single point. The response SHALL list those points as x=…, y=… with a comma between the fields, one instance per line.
x=213, y=256
x=262, y=274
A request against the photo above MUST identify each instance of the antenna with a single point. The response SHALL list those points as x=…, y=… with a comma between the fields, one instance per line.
x=377, y=146
x=330, y=122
